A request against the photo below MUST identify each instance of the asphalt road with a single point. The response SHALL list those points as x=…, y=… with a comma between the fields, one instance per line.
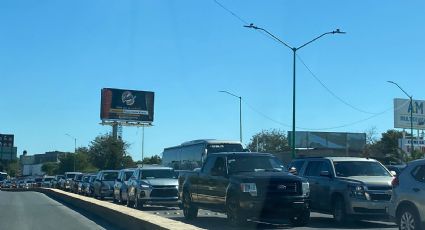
x=36, y=211
x=32, y=210
x=213, y=220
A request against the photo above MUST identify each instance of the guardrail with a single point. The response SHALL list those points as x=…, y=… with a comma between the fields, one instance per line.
x=118, y=215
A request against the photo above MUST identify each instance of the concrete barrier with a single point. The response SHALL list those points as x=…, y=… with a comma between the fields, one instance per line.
x=118, y=215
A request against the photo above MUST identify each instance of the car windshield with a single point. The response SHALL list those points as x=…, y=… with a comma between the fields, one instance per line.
x=248, y=163
x=110, y=176
x=157, y=173
x=359, y=168
x=47, y=179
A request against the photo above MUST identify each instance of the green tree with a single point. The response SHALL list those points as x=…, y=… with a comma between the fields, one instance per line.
x=272, y=141
x=386, y=149
x=50, y=168
x=156, y=159
x=107, y=152
x=11, y=167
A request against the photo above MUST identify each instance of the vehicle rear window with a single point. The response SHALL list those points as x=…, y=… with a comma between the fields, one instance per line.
x=128, y=175
x=157, y=173
x=254, y=163
x=110, y=176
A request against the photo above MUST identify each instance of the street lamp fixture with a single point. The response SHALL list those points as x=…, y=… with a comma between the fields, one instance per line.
x=75, y=147
x=411, y=114
x=294, y=50
x=240, y=111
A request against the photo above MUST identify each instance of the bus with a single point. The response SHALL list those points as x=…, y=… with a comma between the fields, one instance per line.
x=191, y=154
x=3, y=176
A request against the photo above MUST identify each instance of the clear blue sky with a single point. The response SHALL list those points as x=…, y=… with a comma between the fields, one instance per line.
x=55, y=56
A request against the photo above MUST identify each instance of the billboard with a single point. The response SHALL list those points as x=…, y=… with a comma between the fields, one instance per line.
x=402, y=110
x=127, y=105
x=6, y=140
x=329, y=140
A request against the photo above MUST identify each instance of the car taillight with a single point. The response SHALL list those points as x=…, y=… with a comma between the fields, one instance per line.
x=395, y=182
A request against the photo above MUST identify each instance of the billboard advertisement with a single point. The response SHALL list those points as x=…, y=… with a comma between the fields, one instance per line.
x=127, y=105
x=402, y=111
x=7, y=140
x=329, y=140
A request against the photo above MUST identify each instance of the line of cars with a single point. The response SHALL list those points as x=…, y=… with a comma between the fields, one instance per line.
x=238, y=184
x=133, y=187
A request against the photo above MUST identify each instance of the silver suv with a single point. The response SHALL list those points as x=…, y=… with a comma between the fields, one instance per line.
x=408, y=201
x=152, y=184
x=347, y=187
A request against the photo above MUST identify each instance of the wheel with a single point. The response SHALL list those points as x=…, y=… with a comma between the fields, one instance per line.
x=408, y=219
x=137, y=204
x=113, y=199
x=339, y=212
x=120, y=198
x=234, y=213
x=301, y=219
x=190, y=211
x=128, y=201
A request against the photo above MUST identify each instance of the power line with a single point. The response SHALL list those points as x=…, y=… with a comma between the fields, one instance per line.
x=231, y=12
x=330, y=91
x=325, y=128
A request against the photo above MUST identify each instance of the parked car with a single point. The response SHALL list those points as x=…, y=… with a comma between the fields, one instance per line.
x=82, y=183
x=30, y=183
x=152, y=184
x=121, y=185
x=75, y=181
x=103, y=185
x=408, y=200
x=45, y=182
x=56, y=181
x=347, y=187
x=65, y=184
x=396, y=168
x=88, y=188
x=245, y=185
x=38, y=182
x=6, y=184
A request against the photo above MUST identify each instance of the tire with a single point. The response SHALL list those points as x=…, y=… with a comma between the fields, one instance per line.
x=190, y=211
x=113, y=199
x=339, y=212
x=301, y=219
x=408, y=219
x=235, y=215
x=128, y=201
x=137, y=204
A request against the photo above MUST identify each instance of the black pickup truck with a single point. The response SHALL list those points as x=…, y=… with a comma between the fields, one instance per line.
x=245, y=185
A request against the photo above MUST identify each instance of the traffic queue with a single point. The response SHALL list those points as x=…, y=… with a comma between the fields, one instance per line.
x=247, y=185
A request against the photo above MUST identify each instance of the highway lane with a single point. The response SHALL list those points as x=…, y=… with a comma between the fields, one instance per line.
x=213, y=220
x=36, y=211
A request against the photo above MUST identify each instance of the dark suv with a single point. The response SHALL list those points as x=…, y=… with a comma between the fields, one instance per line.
x=347, y=187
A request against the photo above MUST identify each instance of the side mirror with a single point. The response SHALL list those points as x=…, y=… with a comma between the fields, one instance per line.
x=293, y=170
x=325, y=173
x=394, y=173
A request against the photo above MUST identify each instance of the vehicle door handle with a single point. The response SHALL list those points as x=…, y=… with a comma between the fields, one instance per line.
x=416, y=189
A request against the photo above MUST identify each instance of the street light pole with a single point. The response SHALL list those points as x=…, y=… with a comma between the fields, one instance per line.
x=240, y=111
x=294, y=50
x=411, y=114
x=75, y=147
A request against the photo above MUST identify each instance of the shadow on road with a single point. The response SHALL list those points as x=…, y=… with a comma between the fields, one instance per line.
x=315, y=223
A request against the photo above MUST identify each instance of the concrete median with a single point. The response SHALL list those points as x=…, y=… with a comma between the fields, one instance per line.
x=118, y=215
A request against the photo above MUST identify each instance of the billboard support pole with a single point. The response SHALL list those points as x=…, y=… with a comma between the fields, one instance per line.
x=143, y=143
